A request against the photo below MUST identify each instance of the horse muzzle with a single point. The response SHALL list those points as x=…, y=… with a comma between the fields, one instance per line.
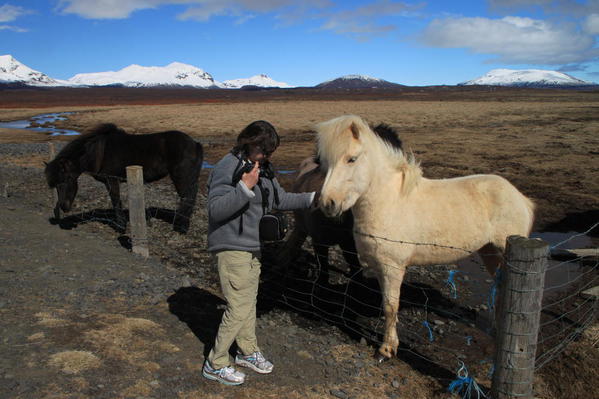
x=330, y=208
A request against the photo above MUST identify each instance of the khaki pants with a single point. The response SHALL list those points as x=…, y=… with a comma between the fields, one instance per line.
x=239, y=273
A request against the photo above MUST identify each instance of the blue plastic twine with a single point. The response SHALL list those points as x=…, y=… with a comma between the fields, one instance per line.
x=430, y=331
x=493, y=292
x=451, y=283
x=465, y=385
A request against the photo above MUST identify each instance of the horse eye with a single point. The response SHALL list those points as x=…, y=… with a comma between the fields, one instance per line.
x=351, y=159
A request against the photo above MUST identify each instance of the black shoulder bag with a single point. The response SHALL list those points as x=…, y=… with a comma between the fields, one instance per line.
x=273, y=225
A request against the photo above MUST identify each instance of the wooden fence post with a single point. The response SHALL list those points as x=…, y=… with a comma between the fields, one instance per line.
x=521, y=285
x=52, y=150
x=137, y=211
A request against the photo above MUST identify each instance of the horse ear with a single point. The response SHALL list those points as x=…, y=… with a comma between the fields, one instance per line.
x=354, y=131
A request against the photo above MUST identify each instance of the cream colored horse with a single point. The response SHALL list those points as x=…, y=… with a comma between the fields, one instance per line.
x=403, y=219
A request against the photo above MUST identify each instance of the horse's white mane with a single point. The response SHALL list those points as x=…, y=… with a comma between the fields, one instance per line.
x=334, y=138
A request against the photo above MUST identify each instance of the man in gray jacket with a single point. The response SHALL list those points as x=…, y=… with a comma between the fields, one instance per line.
x=241, y=188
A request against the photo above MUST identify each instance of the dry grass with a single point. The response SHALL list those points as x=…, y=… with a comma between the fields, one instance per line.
x=74, y=362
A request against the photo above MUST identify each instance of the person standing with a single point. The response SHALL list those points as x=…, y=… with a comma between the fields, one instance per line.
x=241, y=188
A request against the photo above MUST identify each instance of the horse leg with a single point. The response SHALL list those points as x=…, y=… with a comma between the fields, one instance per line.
x=492, y=257
x=291, y=247
x=322, y=259
x=390, y=279
x=350, y=254
x=185, y=178
x=113, y=187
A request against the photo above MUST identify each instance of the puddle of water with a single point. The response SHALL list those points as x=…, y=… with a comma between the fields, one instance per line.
x=34, y=122
x=559, y=277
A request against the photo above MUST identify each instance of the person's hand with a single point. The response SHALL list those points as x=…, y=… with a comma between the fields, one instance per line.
x=251, y=178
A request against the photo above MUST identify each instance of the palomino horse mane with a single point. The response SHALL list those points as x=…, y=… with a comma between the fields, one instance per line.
x=335, y=136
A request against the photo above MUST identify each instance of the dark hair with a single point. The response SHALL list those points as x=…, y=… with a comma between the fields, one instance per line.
x=257, y=133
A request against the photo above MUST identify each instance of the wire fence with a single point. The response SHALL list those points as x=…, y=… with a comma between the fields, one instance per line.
x=447, y=312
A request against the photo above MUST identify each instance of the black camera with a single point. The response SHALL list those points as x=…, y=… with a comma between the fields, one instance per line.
x=245, y=166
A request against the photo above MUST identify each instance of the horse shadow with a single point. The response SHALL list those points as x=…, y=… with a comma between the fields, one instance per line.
x=110, y=218
x=107, y=217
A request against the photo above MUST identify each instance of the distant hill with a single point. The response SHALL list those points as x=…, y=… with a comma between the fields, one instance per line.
x=527, y=78
x=357, y=82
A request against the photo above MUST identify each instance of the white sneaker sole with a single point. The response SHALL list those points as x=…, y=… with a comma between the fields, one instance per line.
x=216, y=378
x=245, y=363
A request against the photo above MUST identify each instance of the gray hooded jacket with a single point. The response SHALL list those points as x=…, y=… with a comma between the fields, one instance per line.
x=231, y=205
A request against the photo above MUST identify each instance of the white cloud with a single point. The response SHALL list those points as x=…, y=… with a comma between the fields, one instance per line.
x=109, y=9
x=200, y=10
x=557, y=7
x=513, y=39
x=360, y=23
x=591, y=24
x=13, y=28
x=10, y=13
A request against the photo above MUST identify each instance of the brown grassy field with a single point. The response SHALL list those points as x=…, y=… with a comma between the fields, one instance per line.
x=545, y=141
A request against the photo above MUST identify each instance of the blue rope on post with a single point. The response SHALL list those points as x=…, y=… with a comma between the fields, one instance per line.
x=465, y=385
x=430, y=331
x=493, y=292
x=451, y=283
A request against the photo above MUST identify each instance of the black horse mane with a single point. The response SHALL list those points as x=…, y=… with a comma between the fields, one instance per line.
x=78, y=148
x=388, y=135
x=385, y=133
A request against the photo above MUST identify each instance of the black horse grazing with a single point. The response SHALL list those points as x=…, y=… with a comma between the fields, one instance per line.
x=105, y=153
x=325, y=231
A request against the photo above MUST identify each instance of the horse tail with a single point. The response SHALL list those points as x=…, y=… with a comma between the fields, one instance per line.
x=530, y=207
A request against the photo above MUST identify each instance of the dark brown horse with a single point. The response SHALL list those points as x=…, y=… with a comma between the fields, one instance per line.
x=105, y=152
x=325, y=232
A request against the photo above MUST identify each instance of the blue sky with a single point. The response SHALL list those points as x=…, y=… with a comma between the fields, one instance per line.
x=306, y=42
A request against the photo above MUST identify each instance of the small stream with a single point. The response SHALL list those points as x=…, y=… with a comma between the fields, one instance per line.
x=43, y=123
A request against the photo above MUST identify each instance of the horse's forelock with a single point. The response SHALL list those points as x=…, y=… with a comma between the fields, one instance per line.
x=333, y=137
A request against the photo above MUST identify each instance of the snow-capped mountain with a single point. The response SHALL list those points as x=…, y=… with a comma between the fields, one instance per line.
x=12, y=71
x=527, y=78
x=261, y=80
x=356, y=82
x=174, y=74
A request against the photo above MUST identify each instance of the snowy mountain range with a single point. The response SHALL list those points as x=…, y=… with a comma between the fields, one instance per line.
x=356, y=82
x=527, y=78
x=174, y=74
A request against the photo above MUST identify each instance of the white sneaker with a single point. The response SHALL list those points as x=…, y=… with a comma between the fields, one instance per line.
x=226, y=375
x=255, y=361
